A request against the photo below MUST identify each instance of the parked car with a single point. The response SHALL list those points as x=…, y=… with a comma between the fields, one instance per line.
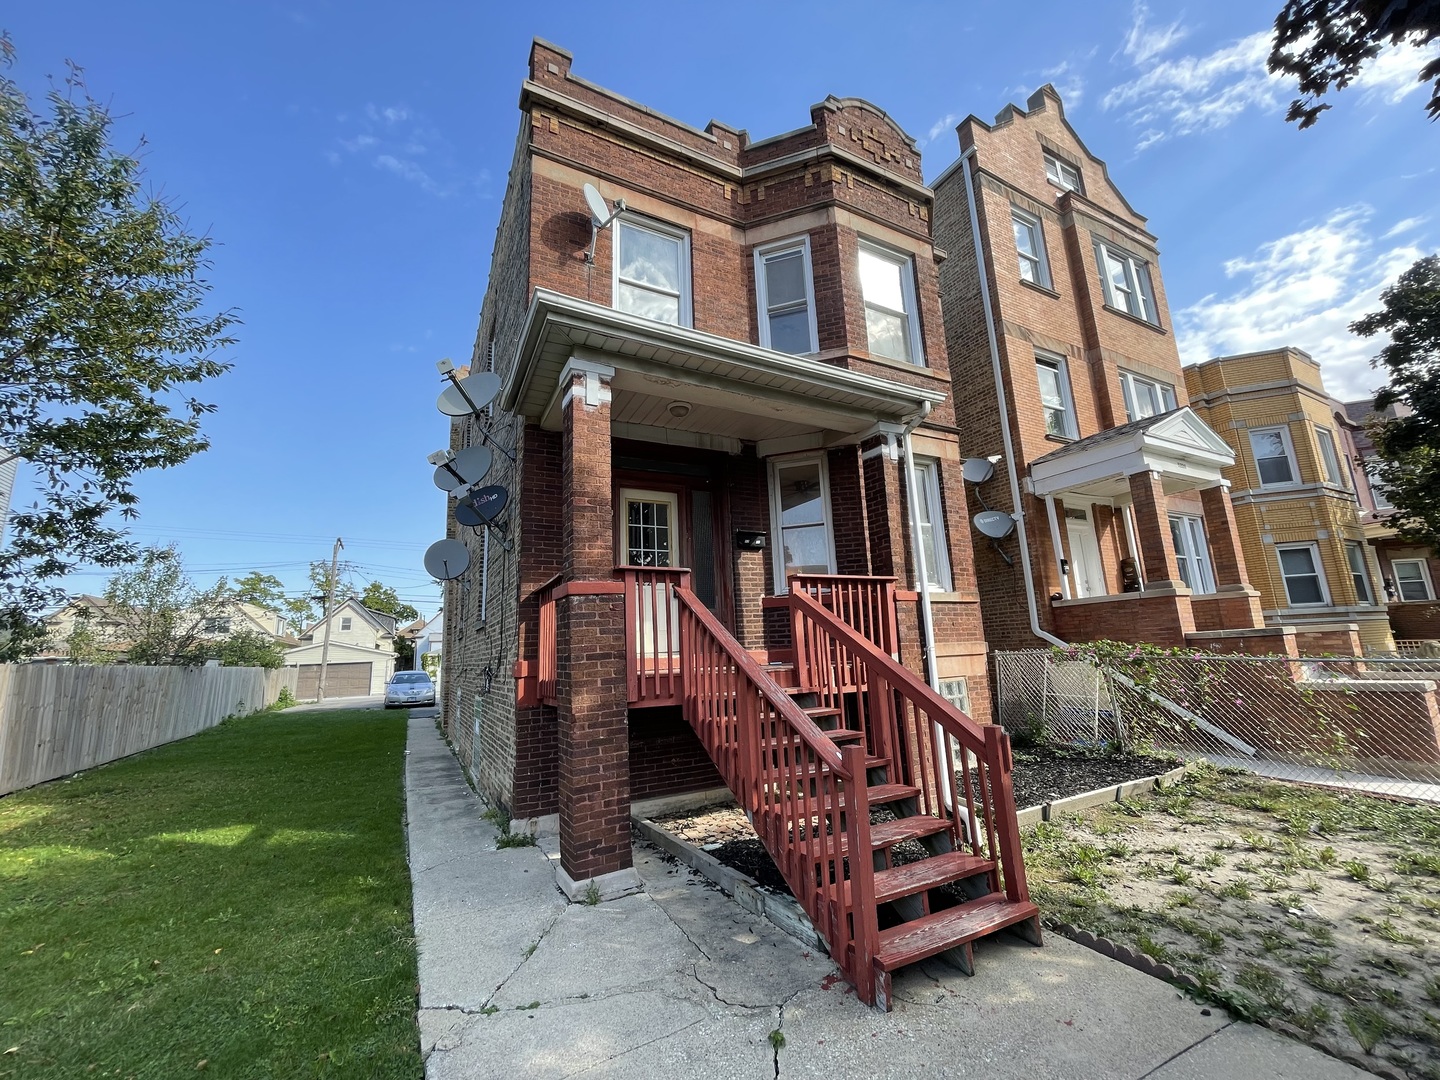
x=409, y=688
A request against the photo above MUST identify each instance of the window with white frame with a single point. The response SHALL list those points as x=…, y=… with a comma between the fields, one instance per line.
x=933, y=542
x=1274, y=456
x=345, y=622
x=1055, y=396
x=1126, y=281
x=1060, y=172
x=1377, y=489
x=1192, y=556
x=1359, y=572
x=1145, y=397
x=217, y=624
x=652, y=271
x=1030, y=247
x=1412, y=579
x=1329, y=457
x=1304, y=580
x=800, y=515
x=786, y=298
x=887, y=283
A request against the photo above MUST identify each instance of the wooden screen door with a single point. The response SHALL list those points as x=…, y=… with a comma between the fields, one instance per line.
x=650, y=537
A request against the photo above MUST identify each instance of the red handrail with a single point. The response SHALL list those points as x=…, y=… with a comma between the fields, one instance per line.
x=899, y=712
x=548, y=660
x=652, y=633
x=805, y=797
x=866, y=604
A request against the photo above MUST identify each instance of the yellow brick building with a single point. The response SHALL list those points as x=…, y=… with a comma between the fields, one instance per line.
x=1293, y=489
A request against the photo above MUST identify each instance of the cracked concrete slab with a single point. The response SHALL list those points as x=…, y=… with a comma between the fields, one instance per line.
x=1247, y=1050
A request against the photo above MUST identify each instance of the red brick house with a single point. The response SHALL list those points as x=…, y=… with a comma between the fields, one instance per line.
x=730, y=411
x=1061, y=334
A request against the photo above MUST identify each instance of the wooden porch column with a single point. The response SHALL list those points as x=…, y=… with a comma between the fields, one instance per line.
x=1157, y=548
x=593, y=732
x=1226, y=556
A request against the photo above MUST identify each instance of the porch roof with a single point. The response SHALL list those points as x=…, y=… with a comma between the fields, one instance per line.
x=734, y=390
x=1177, y=445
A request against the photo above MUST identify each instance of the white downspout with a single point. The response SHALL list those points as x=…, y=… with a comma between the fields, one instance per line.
x=1019, y=515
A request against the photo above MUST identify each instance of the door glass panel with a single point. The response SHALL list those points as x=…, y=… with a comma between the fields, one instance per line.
x=649, y=533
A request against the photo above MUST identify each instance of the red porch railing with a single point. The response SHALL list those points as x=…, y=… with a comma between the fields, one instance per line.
x=652, y=632
x=547, y=665
x=899, y=713
x=794, y=783
x=865, y=604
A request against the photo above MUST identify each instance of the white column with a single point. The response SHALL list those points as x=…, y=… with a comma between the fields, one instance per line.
x=1059, y=547
x=1131, y=542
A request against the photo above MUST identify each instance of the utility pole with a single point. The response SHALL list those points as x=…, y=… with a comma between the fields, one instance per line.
x=329, y=603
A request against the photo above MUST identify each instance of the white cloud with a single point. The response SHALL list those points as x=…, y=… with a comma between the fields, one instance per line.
x=1394, y=74
x=1068, y=82
x=1197, y=93
x=1407, y=225
x=1143, y=44
x=1303, y=289
x=395, y=139
x=940, y=127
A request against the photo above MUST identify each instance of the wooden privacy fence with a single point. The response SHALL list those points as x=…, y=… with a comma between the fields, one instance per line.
x=56, y=720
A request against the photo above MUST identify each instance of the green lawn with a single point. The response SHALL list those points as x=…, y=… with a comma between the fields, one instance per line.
x=237, y=903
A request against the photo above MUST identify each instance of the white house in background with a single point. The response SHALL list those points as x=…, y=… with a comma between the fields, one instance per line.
x=362, y=653
x=431, y=641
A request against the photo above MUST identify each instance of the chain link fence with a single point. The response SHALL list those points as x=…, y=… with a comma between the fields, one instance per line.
x=1365, y=724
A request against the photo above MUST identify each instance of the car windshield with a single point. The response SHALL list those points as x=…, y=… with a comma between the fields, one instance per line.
x=411, y=677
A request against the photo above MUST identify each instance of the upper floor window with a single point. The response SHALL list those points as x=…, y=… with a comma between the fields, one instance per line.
x=1126, y=281
x=1412, y=579
x=652, y=271
x=784, y=290
x=1274, y=457
x=933, y=542
x=1304, y=580
x=1061, y=172
x=1145, y=397
x=1359, y=572
x=1055, y=396
x=345, y=622
x=1329, y=458
x=1377, y=490
x=1030, y=247
x=217, y=624
x=800, y=512
x=887, y=282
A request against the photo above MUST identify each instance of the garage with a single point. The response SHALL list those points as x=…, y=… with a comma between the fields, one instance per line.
x=341, y=680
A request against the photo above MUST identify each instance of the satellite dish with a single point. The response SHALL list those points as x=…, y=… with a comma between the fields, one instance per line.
x=599, y=209
x=977, y=470
x=466, y=468
x=489, y=502
x=994, y=523
x=447, y=559
x=480, y=388
x=466, y=514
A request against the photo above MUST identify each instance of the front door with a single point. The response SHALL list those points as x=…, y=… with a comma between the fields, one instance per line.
x=650, y=537
x=1085, y=566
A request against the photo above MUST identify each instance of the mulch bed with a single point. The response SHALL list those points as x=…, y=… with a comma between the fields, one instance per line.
x=1043, y=773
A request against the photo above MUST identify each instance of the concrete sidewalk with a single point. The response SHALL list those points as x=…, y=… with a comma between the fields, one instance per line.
x=678, y=981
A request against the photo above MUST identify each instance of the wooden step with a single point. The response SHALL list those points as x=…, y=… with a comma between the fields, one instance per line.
x=820, y=712
x=877, y=794
x=888, y=833
x=839, y=735
x=915, y=940
x=916, y=877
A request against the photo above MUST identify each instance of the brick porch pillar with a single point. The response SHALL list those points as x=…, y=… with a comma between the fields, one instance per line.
x=1152, y=527
x=593, y=730
x=1226, y=556
x=885, y=512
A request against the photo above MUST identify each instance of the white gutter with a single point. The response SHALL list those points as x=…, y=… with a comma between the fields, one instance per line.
x=1019, y=514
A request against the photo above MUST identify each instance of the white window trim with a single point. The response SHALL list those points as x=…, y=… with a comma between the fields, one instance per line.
x=1284, y=431
x=671, y=232
x=777, y=547
x=1072, y=427
x=345, y=623
x=1329, y=462
x=1057, y=175
x=1314, y=550
x=1138, y=280
x=1424, y=576
x=906, y=262
x=927, y=473
x=1377, y=490
x=801, y=243
x=1042, y=258
x=1192, y=529
x=1368, y=597
x=1128, y=380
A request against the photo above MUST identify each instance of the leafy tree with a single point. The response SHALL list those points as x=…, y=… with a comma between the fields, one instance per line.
x=247, y=648
x=304, y=611
x=1409, y=446
x=263, y=590
x=166, y=612
x=83, y=646
x=383, y=598
x=101, y=334
x=1325, y=43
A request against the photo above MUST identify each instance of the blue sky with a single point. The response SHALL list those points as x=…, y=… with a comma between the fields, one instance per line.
x=350, y=159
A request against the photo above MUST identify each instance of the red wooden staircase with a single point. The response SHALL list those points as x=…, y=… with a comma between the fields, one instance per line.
x=888, y=811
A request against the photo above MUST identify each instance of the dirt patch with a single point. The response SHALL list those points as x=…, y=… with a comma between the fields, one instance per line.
x=1317, y=909
x=1046, y=772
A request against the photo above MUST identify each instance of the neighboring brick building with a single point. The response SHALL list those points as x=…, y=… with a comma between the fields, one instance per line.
x=757, y=337
x=1294, y=493
x=1410, y=573
x=1124, y=527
